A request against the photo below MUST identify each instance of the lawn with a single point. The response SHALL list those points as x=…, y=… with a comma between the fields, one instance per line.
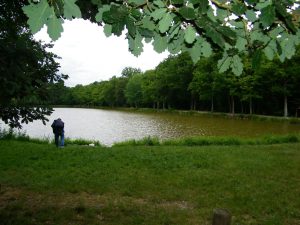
x=42, y=184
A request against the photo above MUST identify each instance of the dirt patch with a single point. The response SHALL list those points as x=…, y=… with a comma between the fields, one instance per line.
x=183, y=205
x=36, y=200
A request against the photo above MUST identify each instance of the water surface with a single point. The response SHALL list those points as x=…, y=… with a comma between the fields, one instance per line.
x=109, y=126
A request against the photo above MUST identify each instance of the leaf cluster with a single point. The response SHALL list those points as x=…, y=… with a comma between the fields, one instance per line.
x=199, y=27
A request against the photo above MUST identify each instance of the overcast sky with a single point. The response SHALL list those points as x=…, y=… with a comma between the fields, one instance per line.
x=88, y=56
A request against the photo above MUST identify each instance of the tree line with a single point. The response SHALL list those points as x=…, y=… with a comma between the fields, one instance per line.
x=178, y=83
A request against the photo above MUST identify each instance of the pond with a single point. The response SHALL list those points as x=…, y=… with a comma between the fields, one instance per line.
x=110, y=126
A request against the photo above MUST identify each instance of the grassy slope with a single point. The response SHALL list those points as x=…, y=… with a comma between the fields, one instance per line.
x=41, y=184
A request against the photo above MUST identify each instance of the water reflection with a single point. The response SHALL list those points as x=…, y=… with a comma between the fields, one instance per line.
x=109, y=126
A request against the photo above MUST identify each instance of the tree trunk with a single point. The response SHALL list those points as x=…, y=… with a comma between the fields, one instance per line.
x=212, y=104
x=250, y=106
x=285, y=106
x=232, y=105
x=229, y=103
x=193, y=104
x=242, y=107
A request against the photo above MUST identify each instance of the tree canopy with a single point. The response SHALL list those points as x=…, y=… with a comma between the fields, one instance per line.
x=200, y=27
x=26, y=68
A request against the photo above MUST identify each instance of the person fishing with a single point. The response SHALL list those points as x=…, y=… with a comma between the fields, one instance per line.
x=58, y=130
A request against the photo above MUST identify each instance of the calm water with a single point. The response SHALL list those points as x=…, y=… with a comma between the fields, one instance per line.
x=109, y=126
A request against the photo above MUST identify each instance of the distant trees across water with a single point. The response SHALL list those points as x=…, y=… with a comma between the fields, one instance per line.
x=178, y=83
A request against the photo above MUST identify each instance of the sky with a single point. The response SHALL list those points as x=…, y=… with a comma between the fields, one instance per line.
x=89, y=56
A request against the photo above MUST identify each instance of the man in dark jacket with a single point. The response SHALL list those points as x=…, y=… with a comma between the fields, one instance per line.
x=58, y=130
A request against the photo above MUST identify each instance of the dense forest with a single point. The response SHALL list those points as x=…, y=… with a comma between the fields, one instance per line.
x=178, y=83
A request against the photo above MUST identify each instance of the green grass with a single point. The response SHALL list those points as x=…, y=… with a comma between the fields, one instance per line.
x=81, y=142
x=41, y=184
x=19, y=136
x=205, y=141
x=154, y=141
x=147, y=141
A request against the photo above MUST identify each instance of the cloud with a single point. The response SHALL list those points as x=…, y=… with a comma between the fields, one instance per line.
x=88, y=56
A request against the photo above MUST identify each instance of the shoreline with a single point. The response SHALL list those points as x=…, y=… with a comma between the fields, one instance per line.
x=154, y=141
x=259, y=117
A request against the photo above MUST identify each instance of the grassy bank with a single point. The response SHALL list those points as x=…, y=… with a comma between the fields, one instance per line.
x=153, y=141
x=207, y=140
x=41, y=184
x=23, y=137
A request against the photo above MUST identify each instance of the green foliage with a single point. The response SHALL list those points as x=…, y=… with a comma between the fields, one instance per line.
x=200, y=48
x=207, y=83
x=160, y=43
x=190, y=34
x=155, y=20
x=42, y=13
x=267, y=16
x=26, y=67
x=71, y=10
x=130, y=71
x=54, y=27
x=38, y=15
x=165, y=23
x=133, y=90
x=187, y=12
x=173, y=77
